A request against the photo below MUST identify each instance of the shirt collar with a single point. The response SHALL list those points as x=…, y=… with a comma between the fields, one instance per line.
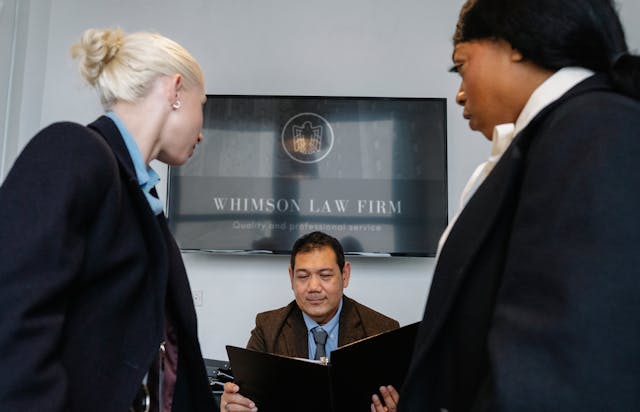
x=502, y=137
x=549, y=91
x=146, y=176
x=329, y=326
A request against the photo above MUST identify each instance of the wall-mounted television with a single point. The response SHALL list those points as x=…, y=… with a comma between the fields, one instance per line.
x=371, y=171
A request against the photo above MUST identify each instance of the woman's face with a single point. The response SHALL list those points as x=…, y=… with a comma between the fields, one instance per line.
x=183, y=130
x=487, y=88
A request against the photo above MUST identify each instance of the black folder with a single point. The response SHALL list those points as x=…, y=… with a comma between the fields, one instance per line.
x=356, y=371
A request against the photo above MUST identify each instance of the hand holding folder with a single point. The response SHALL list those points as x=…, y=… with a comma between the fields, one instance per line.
x=345, y=384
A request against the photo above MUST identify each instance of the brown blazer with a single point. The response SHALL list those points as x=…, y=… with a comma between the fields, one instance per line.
x=283, y=331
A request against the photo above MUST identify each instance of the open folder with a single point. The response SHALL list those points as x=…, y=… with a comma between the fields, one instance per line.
x=355, y=372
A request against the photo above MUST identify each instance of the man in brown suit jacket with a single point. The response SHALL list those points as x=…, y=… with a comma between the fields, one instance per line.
x=283, y=331
x=319, y=273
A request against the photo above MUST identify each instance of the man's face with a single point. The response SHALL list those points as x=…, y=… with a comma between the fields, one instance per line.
x=317, y=283
x=488, y=90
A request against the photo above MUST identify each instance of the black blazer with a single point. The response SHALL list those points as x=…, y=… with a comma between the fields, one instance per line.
x=283, y=331
x=87, y=273
x=534, y=301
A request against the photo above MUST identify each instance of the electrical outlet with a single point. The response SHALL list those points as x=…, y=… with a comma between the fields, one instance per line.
x=197, y=297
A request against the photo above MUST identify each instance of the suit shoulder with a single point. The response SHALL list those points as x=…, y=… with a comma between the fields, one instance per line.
x=69, y=133
x=372, y=319
x=55, y=148
x=70, y=142
x=265, y=337
x=274, y=315
x=596, y=121
x=600, y=108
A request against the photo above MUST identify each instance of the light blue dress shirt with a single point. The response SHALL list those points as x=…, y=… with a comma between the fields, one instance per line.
x=331, y=327
x=147, y=177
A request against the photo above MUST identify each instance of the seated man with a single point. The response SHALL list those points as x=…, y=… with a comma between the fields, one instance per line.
x=318, y=273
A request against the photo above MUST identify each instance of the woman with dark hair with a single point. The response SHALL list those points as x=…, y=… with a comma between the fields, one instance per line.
x=534, y=300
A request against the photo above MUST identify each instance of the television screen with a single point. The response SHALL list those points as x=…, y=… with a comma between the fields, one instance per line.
x=370, y=171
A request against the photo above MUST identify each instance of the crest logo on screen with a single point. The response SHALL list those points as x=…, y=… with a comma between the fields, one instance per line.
x=307, y=137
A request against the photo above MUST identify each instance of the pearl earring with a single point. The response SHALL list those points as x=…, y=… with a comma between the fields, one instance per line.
x=177, y=104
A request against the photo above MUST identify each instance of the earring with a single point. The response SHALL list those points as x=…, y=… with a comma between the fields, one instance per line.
x=177, y=105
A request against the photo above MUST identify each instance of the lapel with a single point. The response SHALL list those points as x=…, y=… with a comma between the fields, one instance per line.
x=158, y=265
x=473, y=226
x=350, y=327
x=110, y=133
x=179, y=295
x=294, y=333
x=495, y=197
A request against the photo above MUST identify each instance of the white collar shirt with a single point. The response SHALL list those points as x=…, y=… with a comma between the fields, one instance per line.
x=503, y=134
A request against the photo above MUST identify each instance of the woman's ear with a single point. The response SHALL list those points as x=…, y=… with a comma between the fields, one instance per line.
x=175, y=85
x=177, y=81
x=174, y=88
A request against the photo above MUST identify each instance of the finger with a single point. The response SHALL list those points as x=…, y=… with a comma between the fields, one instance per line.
x=377, y=405
x=230, y=387
x=394, y=393
x=241, y=401
x=236, y=407
x=390, y=397
x=232, y=400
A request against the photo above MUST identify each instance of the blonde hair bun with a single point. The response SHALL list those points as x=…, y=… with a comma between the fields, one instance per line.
x=97, y=47
x=123, y=67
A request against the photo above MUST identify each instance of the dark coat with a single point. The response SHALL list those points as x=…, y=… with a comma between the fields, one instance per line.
x=534, y=302
x=87, y=272
x=283, y=331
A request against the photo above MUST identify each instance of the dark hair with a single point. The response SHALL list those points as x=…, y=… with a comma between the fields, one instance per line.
x=556, y=33
x=316, y=240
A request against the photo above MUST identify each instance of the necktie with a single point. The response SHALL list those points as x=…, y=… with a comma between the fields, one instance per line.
x=320, y=337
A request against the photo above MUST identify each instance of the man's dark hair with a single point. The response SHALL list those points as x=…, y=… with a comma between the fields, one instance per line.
x=316, y=240
x=556, y=33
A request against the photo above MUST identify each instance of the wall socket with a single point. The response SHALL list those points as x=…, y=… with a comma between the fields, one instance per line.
x=197, y=297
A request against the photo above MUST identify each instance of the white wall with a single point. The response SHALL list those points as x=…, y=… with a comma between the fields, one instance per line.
x=329, y=47
x=9, y=29
x=7, y=26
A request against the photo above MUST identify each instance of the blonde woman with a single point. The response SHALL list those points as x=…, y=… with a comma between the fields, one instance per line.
x=95, y=307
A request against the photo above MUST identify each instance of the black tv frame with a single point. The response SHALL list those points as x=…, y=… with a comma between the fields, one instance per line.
x=292, y=175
